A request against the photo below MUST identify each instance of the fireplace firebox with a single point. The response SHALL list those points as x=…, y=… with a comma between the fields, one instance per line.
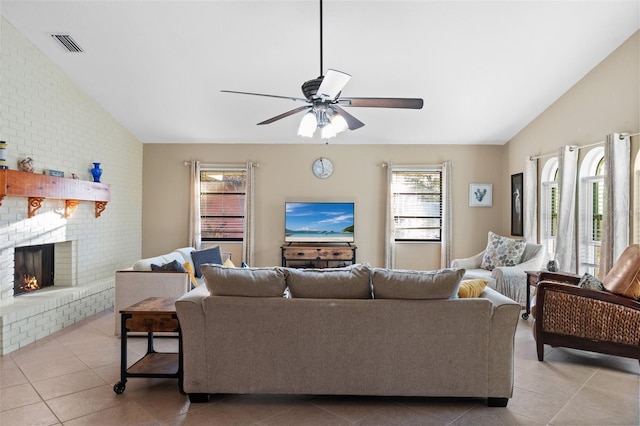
x=34, y=268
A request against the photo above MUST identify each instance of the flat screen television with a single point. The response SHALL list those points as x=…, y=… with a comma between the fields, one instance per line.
x=318, y=222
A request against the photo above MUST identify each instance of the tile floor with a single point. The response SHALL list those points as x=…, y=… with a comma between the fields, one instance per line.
x=76, y=388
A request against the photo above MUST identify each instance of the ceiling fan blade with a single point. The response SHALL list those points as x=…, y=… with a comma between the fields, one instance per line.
x=285, y=114
x=270, y=96
x=410, y=103
x=352, y=122
x=332, y=83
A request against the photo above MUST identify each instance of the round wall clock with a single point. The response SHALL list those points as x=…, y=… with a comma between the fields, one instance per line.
x=322, y=168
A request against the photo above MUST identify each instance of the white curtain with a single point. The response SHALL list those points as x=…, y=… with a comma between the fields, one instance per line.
x=615, y=232
x=248, y=246
x=531, y=200
x=566, y=240
x=445, y=236
x=195, y=234
x=390, y=232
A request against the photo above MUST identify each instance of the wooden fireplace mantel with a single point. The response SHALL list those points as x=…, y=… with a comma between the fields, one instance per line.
x=36, y=188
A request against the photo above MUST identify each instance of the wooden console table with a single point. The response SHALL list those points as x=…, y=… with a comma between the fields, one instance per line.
x=299, y=255
x=154, y=314
x=36, y=188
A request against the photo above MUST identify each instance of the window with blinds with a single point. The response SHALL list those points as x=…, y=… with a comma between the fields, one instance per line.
x=550, y=215
x=417, y=204
x=594, y=204
x=222, y=201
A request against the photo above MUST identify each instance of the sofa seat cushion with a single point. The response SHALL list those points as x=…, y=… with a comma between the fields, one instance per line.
x=247, y=282
x=502, y=251
x=351, y=282
x=408, y=284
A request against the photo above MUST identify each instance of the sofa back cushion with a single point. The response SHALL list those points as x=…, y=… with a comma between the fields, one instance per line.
x=145, y=264
x=406, y=284
x=352, y=282
x=248, y=282
x=624, y=277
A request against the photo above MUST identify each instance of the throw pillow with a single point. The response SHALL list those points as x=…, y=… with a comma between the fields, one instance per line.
x=624, y=277
x=407, y=284
x=210, y=255
x=471, y=288
x=173, y=266
x=590, y=282
x=502, y=251
x=248, y=282
x=192, y=277
x=351, y=282
x=228, y=263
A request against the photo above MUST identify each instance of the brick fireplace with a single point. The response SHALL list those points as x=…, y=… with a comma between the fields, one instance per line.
x=74, y=294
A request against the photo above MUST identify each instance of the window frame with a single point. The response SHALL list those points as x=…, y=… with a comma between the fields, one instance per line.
x=243, y=194
x=591, y=174
x=407, y=194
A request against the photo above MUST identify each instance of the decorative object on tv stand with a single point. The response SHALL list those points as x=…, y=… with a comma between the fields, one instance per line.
x=3, y=155
x=96, y=172
x=26, y=165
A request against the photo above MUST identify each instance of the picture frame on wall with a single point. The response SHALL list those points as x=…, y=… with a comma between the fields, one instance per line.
x=480, y=194
x=517, y=211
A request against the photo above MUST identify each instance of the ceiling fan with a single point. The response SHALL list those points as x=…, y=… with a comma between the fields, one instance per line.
x=324, y=104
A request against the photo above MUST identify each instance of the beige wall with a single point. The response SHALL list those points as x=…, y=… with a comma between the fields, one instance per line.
x=605, y=101
x=285, y=175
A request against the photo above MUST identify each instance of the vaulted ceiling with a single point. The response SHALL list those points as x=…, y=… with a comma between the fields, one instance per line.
x=485, y=69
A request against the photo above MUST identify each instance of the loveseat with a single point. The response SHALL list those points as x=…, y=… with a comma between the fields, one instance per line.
x=139, y=281
x=508, y=278
x=345, y=331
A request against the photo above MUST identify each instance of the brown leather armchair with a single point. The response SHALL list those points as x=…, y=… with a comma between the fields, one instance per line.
x=599, y=321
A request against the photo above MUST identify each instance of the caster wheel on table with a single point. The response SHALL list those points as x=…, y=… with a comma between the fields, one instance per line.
x=119, y=387
x=525, y=316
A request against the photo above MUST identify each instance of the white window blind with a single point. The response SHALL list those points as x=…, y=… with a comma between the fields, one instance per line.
x=417, y=204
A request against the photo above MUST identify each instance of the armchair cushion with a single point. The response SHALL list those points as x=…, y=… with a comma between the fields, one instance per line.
x=502, y=251
x=624, y=277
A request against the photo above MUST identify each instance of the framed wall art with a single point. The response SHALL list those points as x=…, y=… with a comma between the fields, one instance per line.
x=480, y=194
x=517, y=213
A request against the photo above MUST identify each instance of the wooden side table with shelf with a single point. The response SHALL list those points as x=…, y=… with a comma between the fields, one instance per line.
x=299, y=255
x=154, y=314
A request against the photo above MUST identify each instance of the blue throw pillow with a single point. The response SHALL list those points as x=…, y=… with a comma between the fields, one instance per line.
x=171, y=266
x=210, y=255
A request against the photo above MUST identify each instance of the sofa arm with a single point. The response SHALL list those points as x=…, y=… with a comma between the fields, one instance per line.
x=472, y=262
x=190, y=311
x=133, y=286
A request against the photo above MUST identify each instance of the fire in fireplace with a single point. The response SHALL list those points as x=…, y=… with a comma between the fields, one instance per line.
x=34, y=268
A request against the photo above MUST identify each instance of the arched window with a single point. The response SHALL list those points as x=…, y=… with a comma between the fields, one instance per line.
x=590, y=211
x=549, y=206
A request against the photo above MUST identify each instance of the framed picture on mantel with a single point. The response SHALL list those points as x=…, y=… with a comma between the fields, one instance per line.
x=517, y=214
x=480, y=194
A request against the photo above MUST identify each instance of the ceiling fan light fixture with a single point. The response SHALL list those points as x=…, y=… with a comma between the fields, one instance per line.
x=308, y=125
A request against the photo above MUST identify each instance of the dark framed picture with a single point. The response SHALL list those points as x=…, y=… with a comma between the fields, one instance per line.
x=517, y=213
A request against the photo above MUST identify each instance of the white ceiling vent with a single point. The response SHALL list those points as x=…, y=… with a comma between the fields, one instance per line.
x=67, y=42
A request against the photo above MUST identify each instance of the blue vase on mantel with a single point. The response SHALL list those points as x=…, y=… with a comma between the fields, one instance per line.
x=96, y=172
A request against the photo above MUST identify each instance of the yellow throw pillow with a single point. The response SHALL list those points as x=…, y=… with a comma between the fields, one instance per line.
x=192, y=276
x=471, y=288
x=228, y=263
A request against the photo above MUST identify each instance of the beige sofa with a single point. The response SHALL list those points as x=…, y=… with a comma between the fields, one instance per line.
x=139, y=282
x=416, y=338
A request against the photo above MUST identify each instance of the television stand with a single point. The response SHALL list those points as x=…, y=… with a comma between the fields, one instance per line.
x=318, y=255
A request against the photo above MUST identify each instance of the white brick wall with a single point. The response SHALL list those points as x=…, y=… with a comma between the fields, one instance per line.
x=45, y=116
